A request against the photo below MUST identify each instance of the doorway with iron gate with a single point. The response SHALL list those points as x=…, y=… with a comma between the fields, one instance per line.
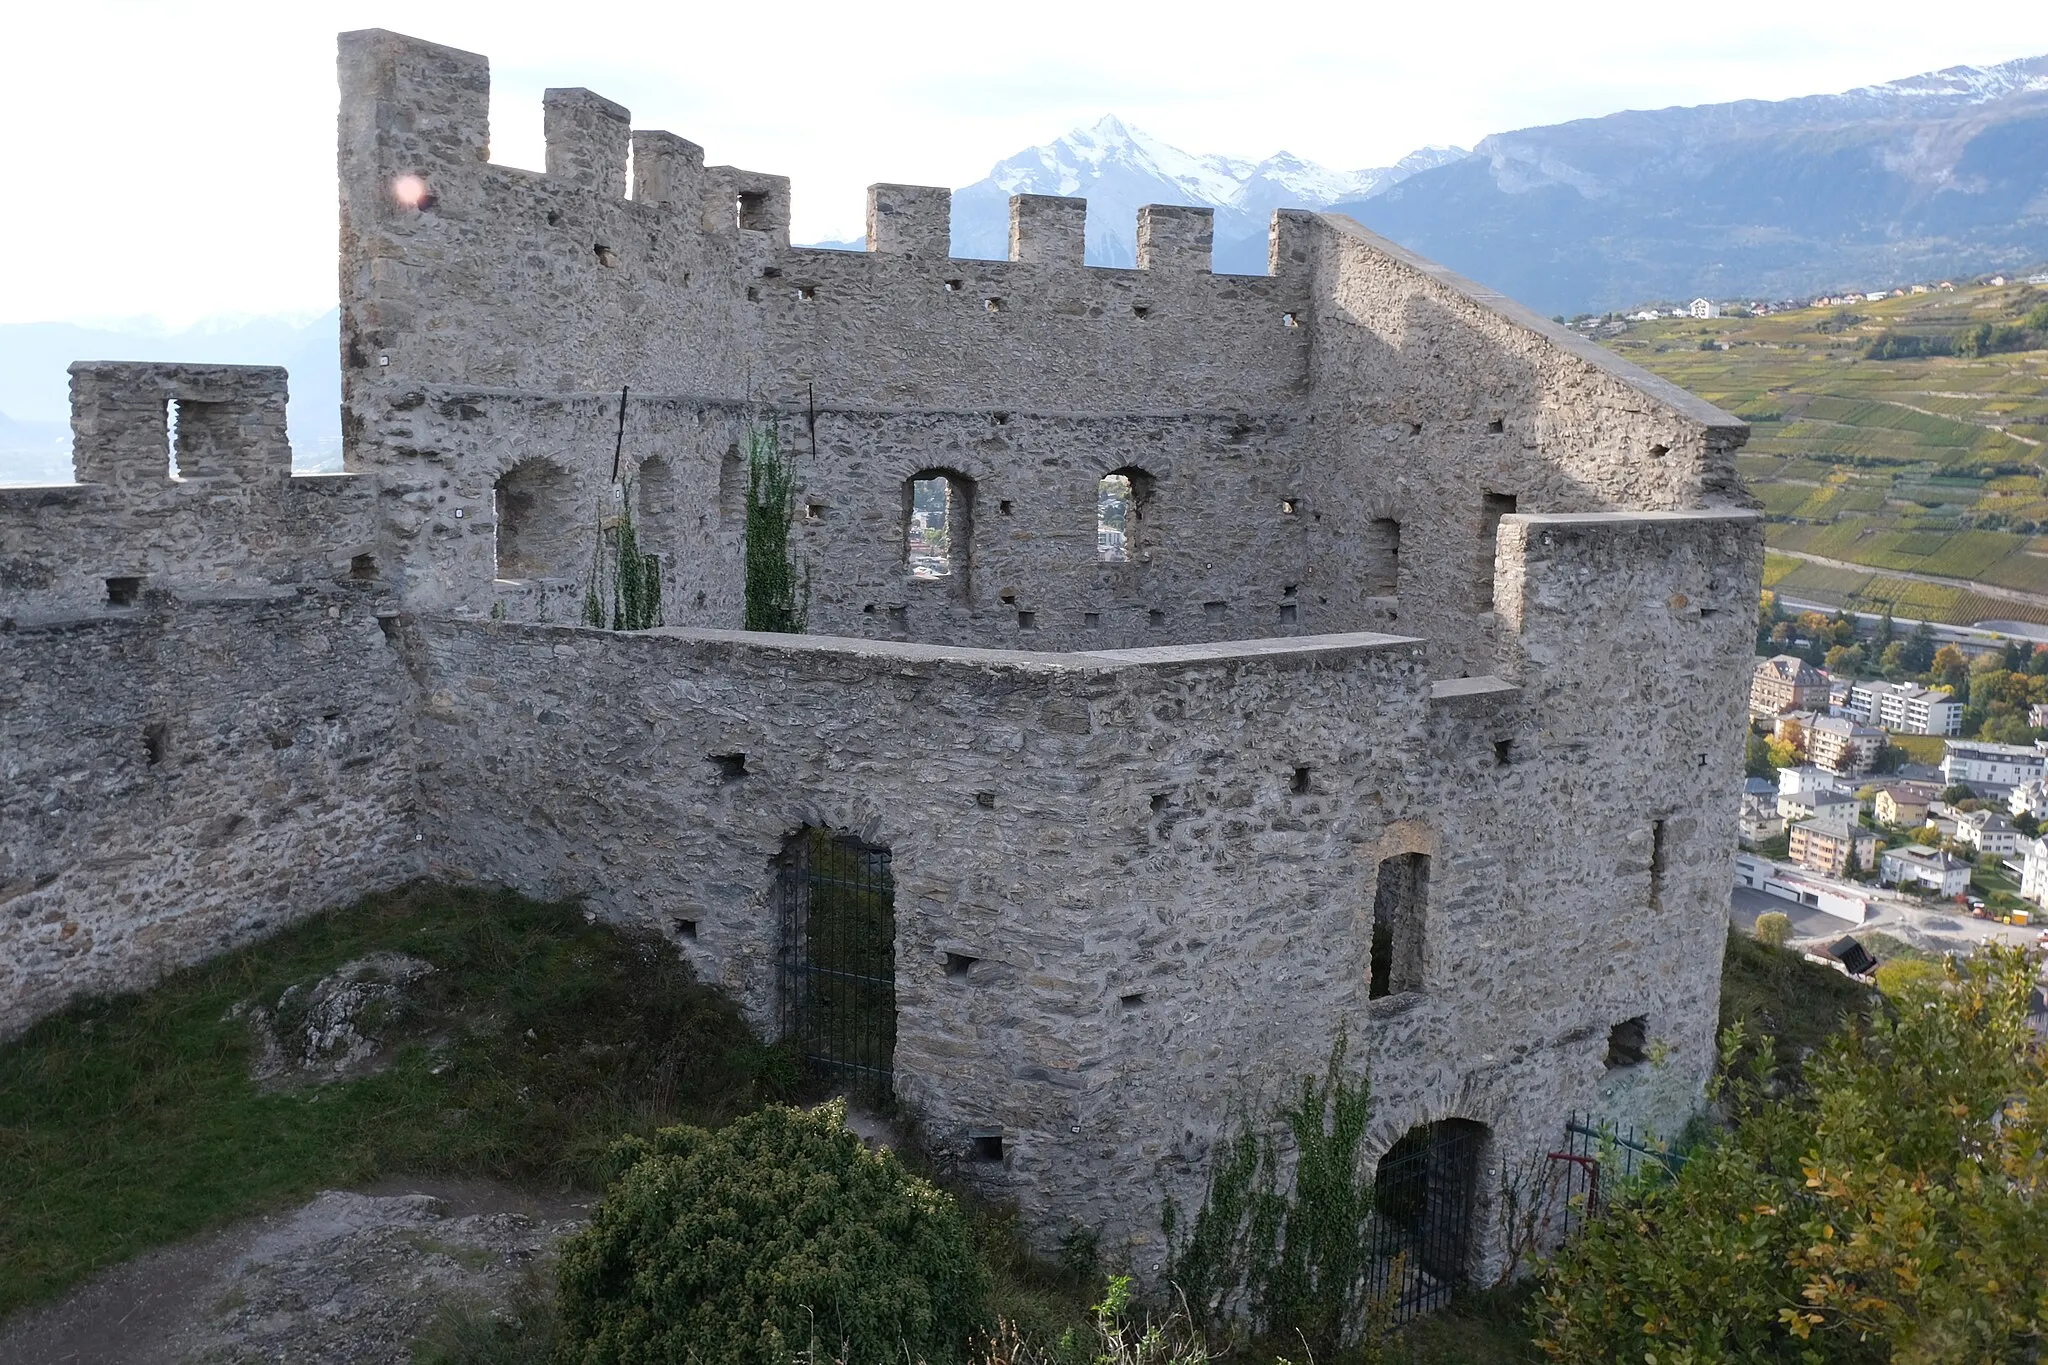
x=837, y=900
x=1425, y=1196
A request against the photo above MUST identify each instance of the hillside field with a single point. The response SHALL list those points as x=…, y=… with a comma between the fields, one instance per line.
x=1932, y=465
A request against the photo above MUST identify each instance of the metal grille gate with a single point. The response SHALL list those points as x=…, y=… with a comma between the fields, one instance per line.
x=1598, y=1155
x=1424, y=1194
x=839, y=953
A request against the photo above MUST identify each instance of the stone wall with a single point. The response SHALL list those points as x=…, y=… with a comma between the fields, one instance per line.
x=203, y=719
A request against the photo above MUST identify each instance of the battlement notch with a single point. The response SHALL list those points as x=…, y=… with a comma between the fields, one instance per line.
x=1048, y=228
x=586, y=136
x=911, y=220
x=1176, y=238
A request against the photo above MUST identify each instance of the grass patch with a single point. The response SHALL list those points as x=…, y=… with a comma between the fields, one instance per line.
x=1920, y=748
x=1778, y=997
x=540, y=1038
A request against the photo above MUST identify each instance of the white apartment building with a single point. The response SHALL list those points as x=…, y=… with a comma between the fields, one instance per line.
x=2034, y=871
x=1944, y=872
x=1705, y=308
x=1905, y=708
x=1987, y=831
x=2001, y=766
x=1841, y=745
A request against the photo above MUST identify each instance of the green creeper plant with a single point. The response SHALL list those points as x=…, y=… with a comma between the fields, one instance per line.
x=777, y=597
x=623, y=588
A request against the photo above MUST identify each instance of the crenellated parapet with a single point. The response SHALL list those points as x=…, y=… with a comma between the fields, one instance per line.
x=184, y=487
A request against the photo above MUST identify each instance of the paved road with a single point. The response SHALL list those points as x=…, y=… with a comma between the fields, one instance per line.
x=1941, y=928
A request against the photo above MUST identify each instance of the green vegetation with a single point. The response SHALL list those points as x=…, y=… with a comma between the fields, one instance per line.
x=1886, y=1213
x=778, y=597
x=1769, y=993
x=623, y=588
x=1906, y=436
x=780, y=1236
x=538, y=1040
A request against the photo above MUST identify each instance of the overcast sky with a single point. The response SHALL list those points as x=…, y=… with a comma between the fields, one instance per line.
x=176, y=160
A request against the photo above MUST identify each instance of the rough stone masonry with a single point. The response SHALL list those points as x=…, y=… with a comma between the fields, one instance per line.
x=1424, y=621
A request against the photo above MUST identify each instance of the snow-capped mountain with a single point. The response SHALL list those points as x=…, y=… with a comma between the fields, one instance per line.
x=1118, y=168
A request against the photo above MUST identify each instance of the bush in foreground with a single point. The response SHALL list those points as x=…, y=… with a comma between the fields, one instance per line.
x=780, y=1236
x=1890, y=1214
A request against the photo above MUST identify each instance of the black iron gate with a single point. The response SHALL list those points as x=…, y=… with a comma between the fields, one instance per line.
x=1424, y=1194
x=839, y=953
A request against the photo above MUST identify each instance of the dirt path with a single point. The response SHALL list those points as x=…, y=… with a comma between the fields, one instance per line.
x=351, y=1276
x=1967, y=584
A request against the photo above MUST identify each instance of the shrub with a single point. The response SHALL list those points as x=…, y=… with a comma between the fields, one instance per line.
x=779, y=1235
x=1773, y=927
x=1889, y=1214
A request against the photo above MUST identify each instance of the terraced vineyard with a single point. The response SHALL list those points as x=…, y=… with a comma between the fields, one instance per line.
x=1929, y=466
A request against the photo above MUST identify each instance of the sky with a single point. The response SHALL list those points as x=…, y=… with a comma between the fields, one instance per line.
x=175, y=161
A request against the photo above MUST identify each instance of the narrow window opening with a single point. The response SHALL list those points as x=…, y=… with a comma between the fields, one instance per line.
x=1415, y=428
x=1381, y=568
x=1131, y=1001
x=1709, y=613
x=986, y=1146
x=1659, y=452
x=730, y=766
x=1290, y=319
x=606, y=256
x=1503, y=751
x=1001, y=419
x=687, y=928
x=1628, y=1042
x=994, y=306
x=814, y=511
x=1155, y=618
x=1027, y=620
x=1659, y=855
x=1091, y=620
x=1003, y=507
x=156, y=738
x=1214, y=613
x=1399, y=908
x=958, y=965
x=1009, y=597
x=122, y=592
x=1492, y=507
x=954, y=286
x=986, y=800
x=1139, y=310
x=732, y=484
x=1289, y=589
x=899, y=619
x=807, y=292
x=1289, y=506
x=1300, y=784
x=362, y=568
x=1288, y=613
x=1496, y=426
x=937, y=512
x=750, y=210
x=1158, y=801
x=753, y=294
x=1122, y=500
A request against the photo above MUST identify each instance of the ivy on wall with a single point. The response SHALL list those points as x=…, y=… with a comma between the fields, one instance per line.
x=623, y=590
x=778, y=595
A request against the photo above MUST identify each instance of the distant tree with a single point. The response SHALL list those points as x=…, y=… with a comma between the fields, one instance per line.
x=1885, y=628
x=1892, y=662
x=1956, y=794
x=1852, y=866
x=1951, y=667
x=1783, y=753
x=1757, y=757
x=1919, y=656
x=1842, y=628
x=1845, y=661
x=2027, y=823
x=1773, y=927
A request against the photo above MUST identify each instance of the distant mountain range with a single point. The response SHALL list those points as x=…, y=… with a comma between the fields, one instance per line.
x=1939, y=174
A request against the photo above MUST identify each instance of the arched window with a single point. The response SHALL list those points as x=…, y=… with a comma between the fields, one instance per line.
x=1400, y=908
x=938, y=523
x=1121, y=502
x=538, y=534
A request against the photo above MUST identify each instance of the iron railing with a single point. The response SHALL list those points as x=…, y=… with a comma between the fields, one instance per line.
x=1596, y=1159
x=1424, y=1195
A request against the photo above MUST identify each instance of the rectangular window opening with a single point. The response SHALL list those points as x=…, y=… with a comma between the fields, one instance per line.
x=687, y=928
x=1091, y=620
x=156, y=738
x=1300, y=784
x=986, y=800
x=1214, y=613
x=1399, y=908
x=1503, y=752
x=1381, y=568
x=1155, y=618
x=1027, y=620
x=1287, y=613
x=122, y=592
x=1658, y=857
x=958, y=965
x=1131, y=1001
x=730, y=766
x=985, y=1145
x=363, y=568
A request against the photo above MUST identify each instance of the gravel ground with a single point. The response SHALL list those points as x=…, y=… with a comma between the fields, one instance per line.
x=347, y=1277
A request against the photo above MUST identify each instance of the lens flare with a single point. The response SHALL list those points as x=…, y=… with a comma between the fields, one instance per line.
x=409, y=190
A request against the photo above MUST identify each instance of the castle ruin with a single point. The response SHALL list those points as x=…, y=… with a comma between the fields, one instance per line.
x=1199, y=665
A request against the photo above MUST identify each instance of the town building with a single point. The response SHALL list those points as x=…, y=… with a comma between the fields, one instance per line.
x=1987, y=831
x=1990, y=769
x=1786, y=682
x=1759, y=819
x=1840, y=745
x=1942, y=872
x=1903, y=804
x=2034, y=871
x=1905, y=708
x=1705, y=308
x=2029, y=798
x=1824, y=845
